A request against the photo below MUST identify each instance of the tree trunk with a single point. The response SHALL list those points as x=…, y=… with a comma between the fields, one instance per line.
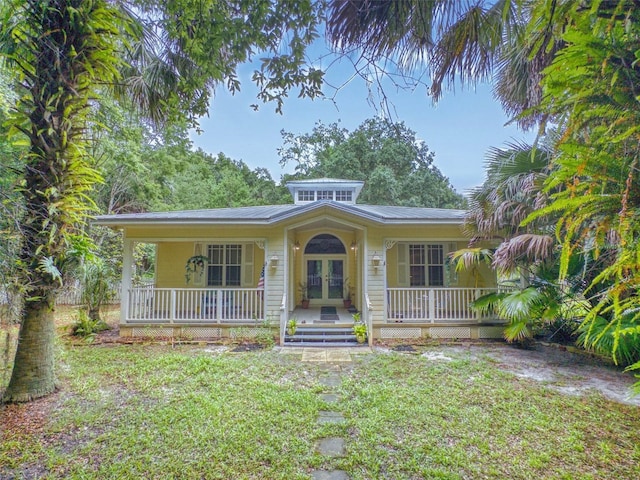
x=33, y=373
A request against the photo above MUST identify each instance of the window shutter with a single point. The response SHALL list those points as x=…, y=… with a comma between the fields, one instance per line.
x=403, y=264
x=247, y=266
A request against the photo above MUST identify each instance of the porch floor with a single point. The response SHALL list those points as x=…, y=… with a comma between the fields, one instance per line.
x=311, y=315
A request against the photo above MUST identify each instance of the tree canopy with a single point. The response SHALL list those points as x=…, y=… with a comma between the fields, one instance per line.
x=398, y=167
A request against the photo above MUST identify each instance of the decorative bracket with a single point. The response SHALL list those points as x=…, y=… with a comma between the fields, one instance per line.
x=260, y=244
x=389, y=244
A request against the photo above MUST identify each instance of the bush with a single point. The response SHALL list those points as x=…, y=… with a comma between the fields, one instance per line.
x=86, y=327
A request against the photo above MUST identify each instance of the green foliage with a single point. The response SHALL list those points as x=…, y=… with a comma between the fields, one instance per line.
x=595, y=185
x=86, y=327
x=397, y=167
x=188, y=48
x=265, y=335
x=98, y=283
x=605, y=337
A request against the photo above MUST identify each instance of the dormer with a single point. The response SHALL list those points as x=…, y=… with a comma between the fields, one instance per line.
x=329, y=189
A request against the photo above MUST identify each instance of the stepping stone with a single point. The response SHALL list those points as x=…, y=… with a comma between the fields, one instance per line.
x=331, y=447
x=330, y=417
x=314, y=355
x=329, y=475
x=330, y=397
x=336, y=355
x=331, y=381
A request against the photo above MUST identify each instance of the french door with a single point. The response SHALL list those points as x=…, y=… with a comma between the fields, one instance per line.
x=325, y=279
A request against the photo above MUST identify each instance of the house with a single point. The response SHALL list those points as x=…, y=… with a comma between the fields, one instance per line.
x=221, y=270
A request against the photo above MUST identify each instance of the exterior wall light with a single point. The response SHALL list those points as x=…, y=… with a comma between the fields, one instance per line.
x=376, y=261
x=273, y=261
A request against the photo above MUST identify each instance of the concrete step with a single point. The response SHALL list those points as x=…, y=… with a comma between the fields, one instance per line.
x=322, y=336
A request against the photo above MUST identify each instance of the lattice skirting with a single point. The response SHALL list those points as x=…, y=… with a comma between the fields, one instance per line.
x=400, y=332
x=182, y=332
x=450, y=332
x=152, y=332
x=490, y=332
x=244, y=332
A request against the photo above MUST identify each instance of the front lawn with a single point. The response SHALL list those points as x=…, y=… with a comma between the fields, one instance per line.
x=153, y=411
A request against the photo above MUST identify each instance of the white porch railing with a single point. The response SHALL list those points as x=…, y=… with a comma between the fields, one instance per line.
x=369, y=318
x=194, y=305
x=283, y=318
x=432, y=305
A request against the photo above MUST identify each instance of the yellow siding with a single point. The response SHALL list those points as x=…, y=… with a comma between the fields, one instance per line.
x=177, y=243
x=171, y=259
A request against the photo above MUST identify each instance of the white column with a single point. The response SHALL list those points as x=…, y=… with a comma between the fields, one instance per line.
x=127, y=273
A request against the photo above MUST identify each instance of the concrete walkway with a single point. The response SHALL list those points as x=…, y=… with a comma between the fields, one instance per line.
x=326, y=355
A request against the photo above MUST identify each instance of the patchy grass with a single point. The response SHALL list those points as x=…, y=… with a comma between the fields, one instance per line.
x=416, y=418
x=189, y=411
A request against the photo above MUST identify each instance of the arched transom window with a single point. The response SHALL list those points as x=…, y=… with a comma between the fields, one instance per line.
x=325, y=243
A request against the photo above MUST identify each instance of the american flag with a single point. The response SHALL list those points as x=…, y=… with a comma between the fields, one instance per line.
x=261, y=280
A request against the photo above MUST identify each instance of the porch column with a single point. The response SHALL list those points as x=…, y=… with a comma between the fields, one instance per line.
x=125, y=286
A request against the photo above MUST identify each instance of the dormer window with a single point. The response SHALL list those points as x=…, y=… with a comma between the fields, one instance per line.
x=344, y=195
x=306, y=195
x=307, y=191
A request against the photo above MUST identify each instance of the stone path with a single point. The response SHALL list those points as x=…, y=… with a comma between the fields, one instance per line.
x=331, y=447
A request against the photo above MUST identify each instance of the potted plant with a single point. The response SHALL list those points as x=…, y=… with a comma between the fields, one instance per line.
x=304, y=292
x=359, y=328
x=346, y=298
x=292, y=325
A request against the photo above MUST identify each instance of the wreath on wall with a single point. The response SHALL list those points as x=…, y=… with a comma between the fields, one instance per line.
x=195, y=267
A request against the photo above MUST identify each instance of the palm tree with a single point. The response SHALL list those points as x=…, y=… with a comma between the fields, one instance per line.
x=465, y=41
x=63, y=53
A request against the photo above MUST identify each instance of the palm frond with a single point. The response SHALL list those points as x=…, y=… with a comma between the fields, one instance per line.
x=526, y=248
x=467, y=258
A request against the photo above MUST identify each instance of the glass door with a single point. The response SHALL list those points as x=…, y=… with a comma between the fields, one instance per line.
x=314, y=279
x=335, y=279
x=325, y=280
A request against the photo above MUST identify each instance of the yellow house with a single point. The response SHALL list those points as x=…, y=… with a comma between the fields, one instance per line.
x=318, y=261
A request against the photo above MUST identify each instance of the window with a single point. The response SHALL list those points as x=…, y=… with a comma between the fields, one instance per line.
x=225, y=265
x=416, y=266
x=426, y=265
x=343, y=195
x=325, y=195
x=435, y=265
x=306, y=195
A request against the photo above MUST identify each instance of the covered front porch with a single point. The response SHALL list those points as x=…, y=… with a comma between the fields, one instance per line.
x=238, y=307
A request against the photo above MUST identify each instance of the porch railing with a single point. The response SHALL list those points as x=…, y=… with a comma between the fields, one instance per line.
x=195, y=305
x=433, y=304
x=369, y=318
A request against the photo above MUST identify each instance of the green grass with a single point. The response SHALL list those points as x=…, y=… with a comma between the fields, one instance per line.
x=156, y=412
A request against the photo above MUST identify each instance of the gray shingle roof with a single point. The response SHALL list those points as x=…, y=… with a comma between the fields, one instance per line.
x=275, y=213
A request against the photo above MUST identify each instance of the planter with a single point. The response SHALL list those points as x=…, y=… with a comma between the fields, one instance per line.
x=291, y=331
x=347, y=303
x=305, y=303
x=361, y=338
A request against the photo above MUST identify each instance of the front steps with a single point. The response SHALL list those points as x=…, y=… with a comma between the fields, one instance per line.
x=322, y=336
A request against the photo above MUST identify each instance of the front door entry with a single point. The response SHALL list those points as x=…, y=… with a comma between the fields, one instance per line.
x=325, y=280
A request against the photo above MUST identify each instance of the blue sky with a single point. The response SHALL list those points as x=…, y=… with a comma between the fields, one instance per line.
x=459, y=129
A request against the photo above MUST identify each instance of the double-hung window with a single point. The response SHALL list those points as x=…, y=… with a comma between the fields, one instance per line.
x=225, y=265
x=426, y=262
